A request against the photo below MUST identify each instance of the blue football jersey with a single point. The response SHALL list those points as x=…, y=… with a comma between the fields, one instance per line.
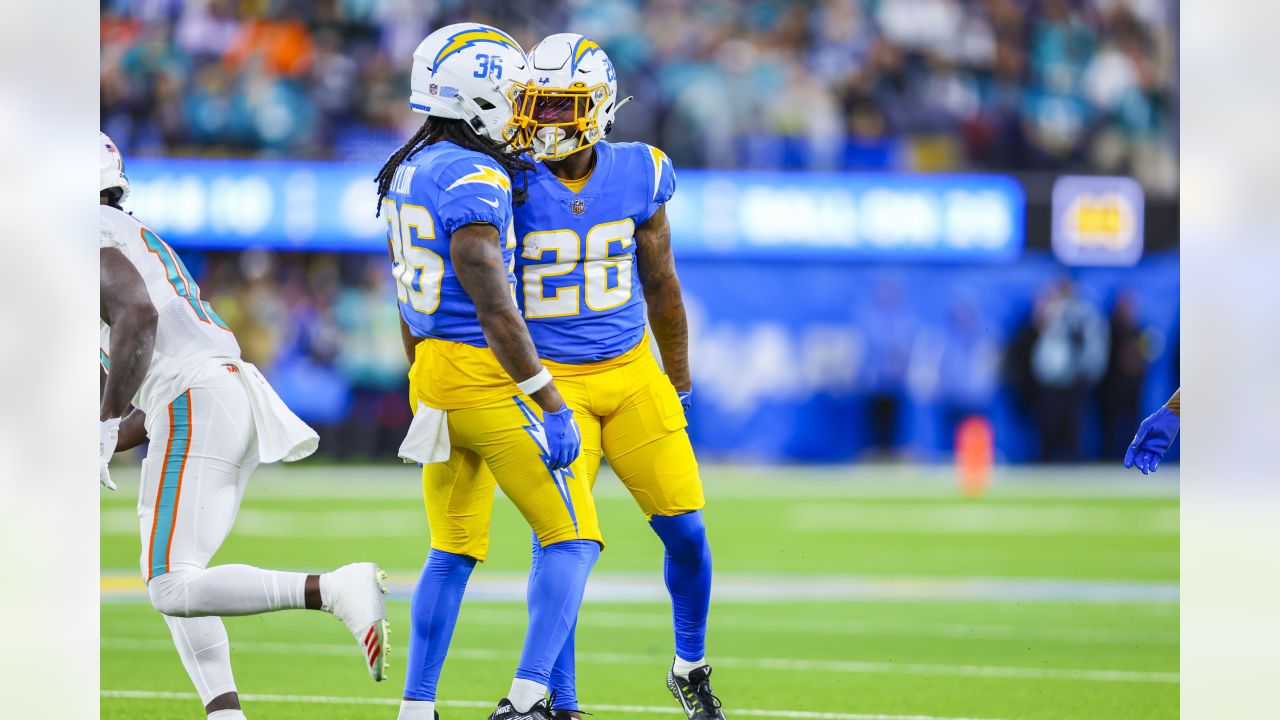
x=433, y=194
x=576, y=279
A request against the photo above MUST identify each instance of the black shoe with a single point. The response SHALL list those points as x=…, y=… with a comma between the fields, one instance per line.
x=695, y=694
x=541, y=710
x=567, y=714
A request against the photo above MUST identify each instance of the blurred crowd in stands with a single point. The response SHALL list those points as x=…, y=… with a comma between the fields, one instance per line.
x=931, y=85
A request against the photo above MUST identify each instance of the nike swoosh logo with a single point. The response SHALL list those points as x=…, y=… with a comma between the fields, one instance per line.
x=486, y=201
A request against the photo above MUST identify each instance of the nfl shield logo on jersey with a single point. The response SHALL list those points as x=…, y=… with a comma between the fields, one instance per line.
x=578, y=206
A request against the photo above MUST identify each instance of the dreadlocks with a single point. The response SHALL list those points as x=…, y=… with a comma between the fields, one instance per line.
x=436, y=129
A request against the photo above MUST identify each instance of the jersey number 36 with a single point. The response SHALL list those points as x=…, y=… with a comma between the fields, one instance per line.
x=418, y=270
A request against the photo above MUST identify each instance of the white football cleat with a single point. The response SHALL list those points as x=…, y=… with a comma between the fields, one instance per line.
x=355, y=595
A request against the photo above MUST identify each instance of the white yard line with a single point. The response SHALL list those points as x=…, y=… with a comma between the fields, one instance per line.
x=650, y=709
x=783, y=664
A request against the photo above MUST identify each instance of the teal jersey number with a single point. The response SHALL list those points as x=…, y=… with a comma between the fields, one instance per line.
x=183, y=284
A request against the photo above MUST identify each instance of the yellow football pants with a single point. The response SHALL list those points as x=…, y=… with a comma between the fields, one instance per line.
x=628, y=413
x=459, y=498
x=492, y=445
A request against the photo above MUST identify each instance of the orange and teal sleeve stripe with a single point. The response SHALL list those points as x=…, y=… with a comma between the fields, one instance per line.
x=170, y=490
x=180, y=278
x=104, y=359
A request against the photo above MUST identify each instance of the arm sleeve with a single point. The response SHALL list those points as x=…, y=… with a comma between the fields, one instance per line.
x=663, y=179
x=473, y=191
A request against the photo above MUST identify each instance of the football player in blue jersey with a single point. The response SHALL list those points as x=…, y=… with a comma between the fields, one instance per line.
x=594, y=255
x=446, y=196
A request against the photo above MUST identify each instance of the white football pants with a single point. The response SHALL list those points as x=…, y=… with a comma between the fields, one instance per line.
x=202, y=451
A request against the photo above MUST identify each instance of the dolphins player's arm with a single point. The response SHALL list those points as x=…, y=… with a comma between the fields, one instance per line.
x=133, y=430
x=476, y=251
x=657, y=268
x=127, y=308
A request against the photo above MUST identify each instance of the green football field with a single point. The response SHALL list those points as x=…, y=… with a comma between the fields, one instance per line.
x=872, y=592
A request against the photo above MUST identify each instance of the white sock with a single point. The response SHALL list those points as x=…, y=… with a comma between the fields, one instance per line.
x=417, y=710
x=227, y=590
x=681, y=668
x=202, y=645
x=227, y=715
x=524, y=693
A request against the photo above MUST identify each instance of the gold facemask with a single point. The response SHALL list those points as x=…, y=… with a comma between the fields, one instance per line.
x=573, y=112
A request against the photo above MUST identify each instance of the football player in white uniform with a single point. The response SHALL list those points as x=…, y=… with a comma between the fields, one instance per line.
x=211, y=418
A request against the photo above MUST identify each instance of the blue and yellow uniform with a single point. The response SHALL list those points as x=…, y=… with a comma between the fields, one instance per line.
x=580, y=292
x=440, y=189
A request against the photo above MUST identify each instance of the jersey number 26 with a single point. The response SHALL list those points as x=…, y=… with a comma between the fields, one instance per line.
x=597, y=291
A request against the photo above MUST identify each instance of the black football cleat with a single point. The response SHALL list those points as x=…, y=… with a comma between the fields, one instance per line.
x=695, y=694
x=567, y=715
x=541, y=710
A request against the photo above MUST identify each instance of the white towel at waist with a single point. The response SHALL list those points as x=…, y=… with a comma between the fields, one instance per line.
x=281, y=434
x=428, y=438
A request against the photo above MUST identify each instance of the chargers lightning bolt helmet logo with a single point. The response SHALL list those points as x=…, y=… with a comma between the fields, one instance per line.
x=469, y=38
x=581, y=49
x=470, y=72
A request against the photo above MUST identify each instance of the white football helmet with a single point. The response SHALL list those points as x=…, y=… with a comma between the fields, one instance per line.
x=572, y=98
x=111, y=167
x=471, y=72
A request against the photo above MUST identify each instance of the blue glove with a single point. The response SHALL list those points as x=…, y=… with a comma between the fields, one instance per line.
x=564, y=439
x=686, y=400
x=1154, y=437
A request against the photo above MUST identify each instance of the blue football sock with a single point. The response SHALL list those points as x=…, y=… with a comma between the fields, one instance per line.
x=556, y=581
x=688, y=575
x=564, y=684
x=433, y=614
x=564, y=681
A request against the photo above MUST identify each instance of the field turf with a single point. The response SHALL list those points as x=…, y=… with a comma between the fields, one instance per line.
x=844, y=594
